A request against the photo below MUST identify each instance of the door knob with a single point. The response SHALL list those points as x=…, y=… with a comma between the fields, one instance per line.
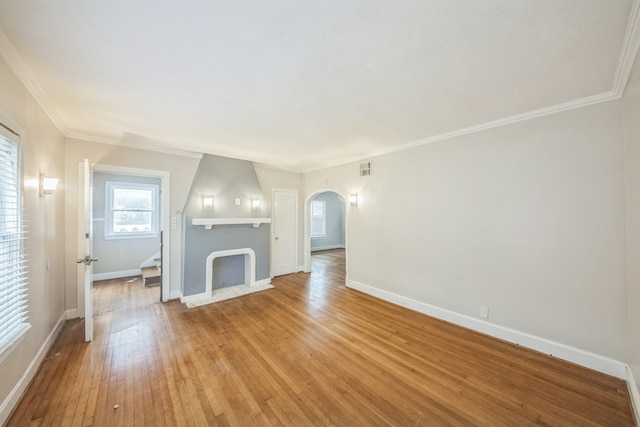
x=87, y=260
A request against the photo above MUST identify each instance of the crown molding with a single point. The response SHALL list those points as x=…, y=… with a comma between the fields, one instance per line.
x=629, y=50
x=15, y=62
x=133, y=144
x=578, y=103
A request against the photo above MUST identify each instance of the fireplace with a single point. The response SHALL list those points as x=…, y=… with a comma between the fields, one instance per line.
x=249, y=266
x=249, y=286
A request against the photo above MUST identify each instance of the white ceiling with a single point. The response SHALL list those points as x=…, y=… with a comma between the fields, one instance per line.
x=307, y=84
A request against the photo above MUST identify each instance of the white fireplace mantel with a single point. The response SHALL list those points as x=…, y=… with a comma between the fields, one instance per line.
x=210, y=222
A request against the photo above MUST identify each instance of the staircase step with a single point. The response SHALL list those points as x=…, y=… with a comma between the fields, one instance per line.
x=151, y=276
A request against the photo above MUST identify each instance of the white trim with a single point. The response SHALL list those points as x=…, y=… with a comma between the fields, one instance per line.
x=262, y=282
x=578, y=103
x=71, y=314
x=326, y=248
x=14, y=396
x=210, y=222
x=249, y=266
x=175, y=294
x=8, y=121
x=561, y=351
x=634, y=393
x=307, y=227
x=629, y=50
x=109, y=209
x=165, y=214
x=249, y=274
x=15, y=62
x=117, y=274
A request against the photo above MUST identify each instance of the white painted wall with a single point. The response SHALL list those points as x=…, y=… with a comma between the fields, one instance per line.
x=526, y=219
x=42, y=151
x=631, y=102
x=182, y=170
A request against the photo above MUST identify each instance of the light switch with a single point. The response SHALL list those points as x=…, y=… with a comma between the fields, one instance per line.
x=237, y=202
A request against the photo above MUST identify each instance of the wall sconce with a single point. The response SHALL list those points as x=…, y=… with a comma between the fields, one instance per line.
x=47, y=185
x=255, y=204
x=207, y=202
x=353, y=199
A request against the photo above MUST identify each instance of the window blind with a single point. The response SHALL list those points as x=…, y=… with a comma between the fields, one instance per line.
x=13, y=274
x=318, y=218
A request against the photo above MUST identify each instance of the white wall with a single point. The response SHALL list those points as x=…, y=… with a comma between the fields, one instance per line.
x=42, y=148
x=525, y=219
x=631, y=103
x=182, y=170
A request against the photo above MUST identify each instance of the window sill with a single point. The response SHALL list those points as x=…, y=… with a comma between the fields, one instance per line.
x=13, y=343
x=132, y=236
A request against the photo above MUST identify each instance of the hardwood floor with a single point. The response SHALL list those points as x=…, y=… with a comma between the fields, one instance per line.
x=309, y=352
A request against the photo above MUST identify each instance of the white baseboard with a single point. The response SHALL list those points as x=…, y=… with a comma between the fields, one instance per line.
x=71, y=314
x=574, y=355
x=326, y=248
x=634, y=393
x=175, y=295
x=16, y=393
x=117, y=274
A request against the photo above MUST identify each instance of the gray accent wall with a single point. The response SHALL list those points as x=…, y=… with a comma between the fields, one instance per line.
x=226, y=180
x=335, y=213
x=116, y=255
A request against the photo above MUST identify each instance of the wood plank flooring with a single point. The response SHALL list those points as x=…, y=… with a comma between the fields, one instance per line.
x=309, y=352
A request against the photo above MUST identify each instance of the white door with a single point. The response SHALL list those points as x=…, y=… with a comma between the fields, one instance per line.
x=85, y=248
x=285, y=232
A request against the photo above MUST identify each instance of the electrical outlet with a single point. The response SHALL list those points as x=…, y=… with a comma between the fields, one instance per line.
x=484, y=312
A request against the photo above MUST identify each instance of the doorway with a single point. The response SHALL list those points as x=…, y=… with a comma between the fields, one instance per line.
x=164, y=224
x=326, y=232
x=284, y=240
x=126, y=224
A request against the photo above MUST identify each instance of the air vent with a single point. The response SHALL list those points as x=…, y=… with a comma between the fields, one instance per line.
x=365, y=169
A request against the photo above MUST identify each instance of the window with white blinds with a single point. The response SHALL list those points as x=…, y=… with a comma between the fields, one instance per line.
x=318, y=218
x=13, y=274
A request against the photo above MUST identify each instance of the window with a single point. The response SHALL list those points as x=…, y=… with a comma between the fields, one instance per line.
x=318, y=218
x=13, y=269
x=131, y=210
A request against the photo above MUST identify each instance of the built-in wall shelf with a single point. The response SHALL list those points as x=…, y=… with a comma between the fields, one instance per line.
x=210, y=222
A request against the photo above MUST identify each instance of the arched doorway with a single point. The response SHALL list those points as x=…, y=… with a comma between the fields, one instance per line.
x=325, y=220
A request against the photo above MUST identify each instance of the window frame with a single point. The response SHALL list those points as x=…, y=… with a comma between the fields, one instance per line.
x=110, y=187
x=323, y=219
x=18, y=286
